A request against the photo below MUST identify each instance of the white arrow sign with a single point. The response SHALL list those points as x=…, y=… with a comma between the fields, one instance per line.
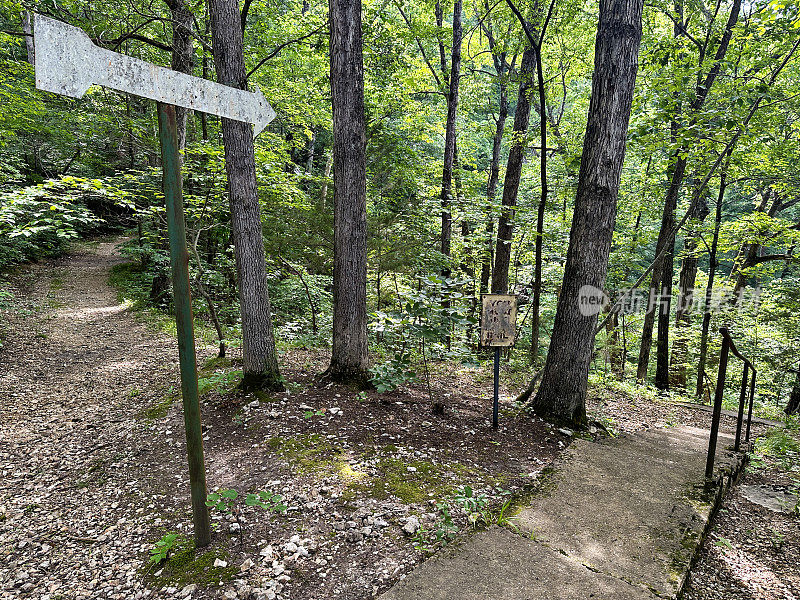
x=68, y=63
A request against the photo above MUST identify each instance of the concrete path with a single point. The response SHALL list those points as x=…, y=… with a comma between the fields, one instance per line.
x=616, y=520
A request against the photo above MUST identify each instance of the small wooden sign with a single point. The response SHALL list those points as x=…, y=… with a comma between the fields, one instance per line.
x=498, y=320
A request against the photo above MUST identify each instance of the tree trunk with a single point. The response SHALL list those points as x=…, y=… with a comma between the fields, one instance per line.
x=206, y=73
x=27, y=29
x=260, y=363
x=505, y=225
x=182, y=55
x=502, y=69
x=323, y=193
x=349, y=359
x=537, y=269
x=310, y=157
x=686, y=281
x=562, y=393
x=793, y=406
x=450, y=133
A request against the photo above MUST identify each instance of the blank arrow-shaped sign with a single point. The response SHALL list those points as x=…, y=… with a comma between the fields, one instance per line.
x=68, y=63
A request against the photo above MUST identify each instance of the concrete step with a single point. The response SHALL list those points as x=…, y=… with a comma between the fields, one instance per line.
x=618, y=519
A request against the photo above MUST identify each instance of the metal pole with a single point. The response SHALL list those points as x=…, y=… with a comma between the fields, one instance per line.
x=750, y=410
x=179, y=259
x=496, y=404
x=712, y=440
x=742, y=400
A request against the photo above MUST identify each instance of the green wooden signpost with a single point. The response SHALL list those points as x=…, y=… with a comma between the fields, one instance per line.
x=67, y=63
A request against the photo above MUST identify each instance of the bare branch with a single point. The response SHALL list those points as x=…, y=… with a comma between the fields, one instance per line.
x=277, y=50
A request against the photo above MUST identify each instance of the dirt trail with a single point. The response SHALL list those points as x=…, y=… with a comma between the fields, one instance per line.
x=72, y=369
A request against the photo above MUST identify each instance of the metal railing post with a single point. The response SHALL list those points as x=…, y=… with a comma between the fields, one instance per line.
x=742, y=401
x=750, y=410
x=718, y=392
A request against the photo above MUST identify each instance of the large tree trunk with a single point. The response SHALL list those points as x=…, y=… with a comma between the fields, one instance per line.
x=505, y=225
x=182, y=55
x=562, y=393
x=349, y=358
x=537, y=269
x=450, y=131
x=661, y=280
x=260, y=363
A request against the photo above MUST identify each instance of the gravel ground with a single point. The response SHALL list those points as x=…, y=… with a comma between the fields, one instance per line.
x=69, y=526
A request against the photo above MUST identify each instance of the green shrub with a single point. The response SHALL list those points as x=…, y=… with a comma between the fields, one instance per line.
x=39, y=220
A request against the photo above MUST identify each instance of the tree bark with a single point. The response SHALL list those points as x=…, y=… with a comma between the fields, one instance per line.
x=562, y=393
x=505, y=225
x=27, y=29
x=323, y=194
x=502, y=69
x=793, y=406
x=182, y=55
x=349, y=358
x=450, y=131
x=260, y=363
x=533, y=353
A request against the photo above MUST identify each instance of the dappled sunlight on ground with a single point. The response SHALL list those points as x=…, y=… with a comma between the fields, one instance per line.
x=89, y=313
x=751, y=574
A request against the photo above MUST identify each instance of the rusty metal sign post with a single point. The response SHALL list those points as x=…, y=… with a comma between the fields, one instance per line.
x=498, y=330
x=67, y=63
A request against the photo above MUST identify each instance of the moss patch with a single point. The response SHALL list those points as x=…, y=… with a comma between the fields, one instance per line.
x=308, y=453
x=157, y=410
x=187, y=566
x=394, y=479
x=415, y=481
x=410, y=482
x=215, y=363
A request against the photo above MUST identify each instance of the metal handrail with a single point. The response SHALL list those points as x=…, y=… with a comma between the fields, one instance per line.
x=728, y=345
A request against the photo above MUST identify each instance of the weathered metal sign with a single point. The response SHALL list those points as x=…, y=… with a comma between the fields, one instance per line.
x=498, y=320
x=68, y=63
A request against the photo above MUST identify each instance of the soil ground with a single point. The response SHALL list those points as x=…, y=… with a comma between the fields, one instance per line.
x=93, y=466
